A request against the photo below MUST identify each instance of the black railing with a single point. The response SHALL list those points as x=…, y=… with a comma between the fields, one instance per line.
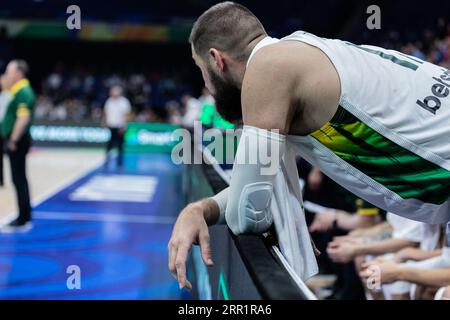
x=259, y=254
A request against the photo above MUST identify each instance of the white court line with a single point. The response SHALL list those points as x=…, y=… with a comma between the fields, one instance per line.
x=89, y=216
x=55, y=215
x=71, y=180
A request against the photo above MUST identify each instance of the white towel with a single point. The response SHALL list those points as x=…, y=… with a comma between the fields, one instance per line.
x=289, y=219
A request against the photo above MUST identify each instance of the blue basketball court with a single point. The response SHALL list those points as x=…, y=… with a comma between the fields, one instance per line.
x=112, y=225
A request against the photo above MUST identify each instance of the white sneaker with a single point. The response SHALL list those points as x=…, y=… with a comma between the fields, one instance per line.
x=16, y=228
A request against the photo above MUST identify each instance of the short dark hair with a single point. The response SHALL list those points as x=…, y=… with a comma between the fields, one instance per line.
x=227, y=26
x=23, y=67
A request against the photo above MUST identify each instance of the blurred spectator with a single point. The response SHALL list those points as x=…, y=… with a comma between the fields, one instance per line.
x=76, y=94
x=66, y=89
x=206, y=97
x=117, y=114
x=174, y=112
x=192, y=109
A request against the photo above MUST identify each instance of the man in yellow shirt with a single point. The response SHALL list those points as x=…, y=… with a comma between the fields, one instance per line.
x=14, y=130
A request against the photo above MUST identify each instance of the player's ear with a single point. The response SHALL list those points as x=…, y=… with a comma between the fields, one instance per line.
x=217, y=59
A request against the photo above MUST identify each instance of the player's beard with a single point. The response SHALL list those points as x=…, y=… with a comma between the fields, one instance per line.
x=228, y=98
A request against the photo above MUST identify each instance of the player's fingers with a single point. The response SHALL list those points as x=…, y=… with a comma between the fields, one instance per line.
x=333, y=245
x=173, y=248
x=180, y=264
x=365, y=273
x=205, y=248
x=340, y=239
x=333, y=254
x=314, y=227
x=188, y=285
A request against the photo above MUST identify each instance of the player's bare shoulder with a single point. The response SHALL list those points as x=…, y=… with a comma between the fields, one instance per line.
x=269, y=89
x=299, y=79
x=276, y=66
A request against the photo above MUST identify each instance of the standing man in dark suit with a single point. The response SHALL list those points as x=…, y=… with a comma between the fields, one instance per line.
x=15, y=133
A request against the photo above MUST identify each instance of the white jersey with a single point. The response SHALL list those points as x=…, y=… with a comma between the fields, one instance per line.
x=116, y=112
x=389, y=142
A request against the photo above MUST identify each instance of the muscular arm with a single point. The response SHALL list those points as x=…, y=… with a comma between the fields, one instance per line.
x=416, y=254
x=382, y=247
x=345, y=251
x=348, y=221
x=373, y=231
x=427, y=277
x=266, y=97
x=344, y=220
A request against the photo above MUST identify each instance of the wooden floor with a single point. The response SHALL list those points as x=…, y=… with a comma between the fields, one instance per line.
x=48, y=171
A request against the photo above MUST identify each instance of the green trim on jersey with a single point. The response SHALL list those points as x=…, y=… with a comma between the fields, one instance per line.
x=390, y=57
x=399, y=170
